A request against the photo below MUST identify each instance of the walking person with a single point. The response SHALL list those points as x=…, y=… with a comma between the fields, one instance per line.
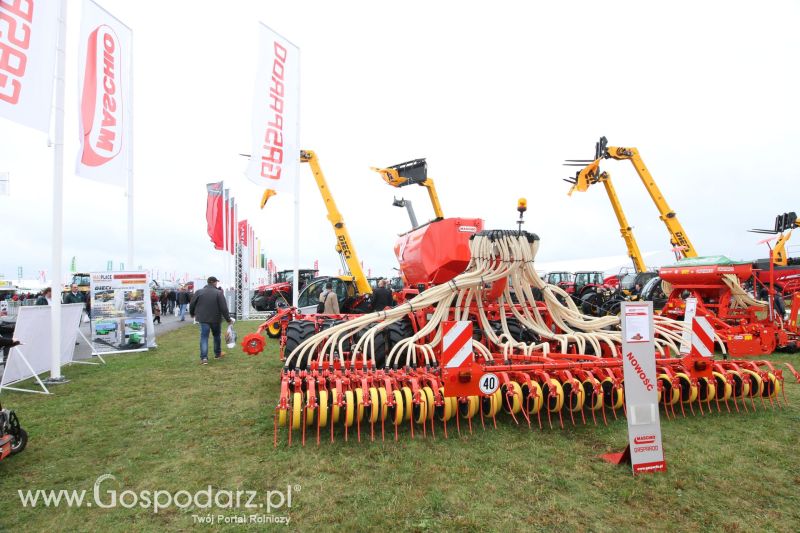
x=173, y=298
x=164, y=302
x=208, y=307
x=155, y=307
x=183, y=298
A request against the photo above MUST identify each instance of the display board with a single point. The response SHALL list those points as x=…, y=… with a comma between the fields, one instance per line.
x=32, y=356
x=121, y=313
x=641, y=388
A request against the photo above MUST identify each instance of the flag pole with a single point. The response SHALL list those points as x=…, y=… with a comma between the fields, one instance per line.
x=58, y=203
x=130, y=169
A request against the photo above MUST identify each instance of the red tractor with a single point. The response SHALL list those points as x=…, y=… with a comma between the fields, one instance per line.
x=279, y=293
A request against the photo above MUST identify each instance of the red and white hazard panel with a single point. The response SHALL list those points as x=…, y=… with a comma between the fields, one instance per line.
x=461, y=375
x=702, y=336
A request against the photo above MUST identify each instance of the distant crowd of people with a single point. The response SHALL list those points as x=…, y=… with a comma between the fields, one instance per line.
x=168, y=301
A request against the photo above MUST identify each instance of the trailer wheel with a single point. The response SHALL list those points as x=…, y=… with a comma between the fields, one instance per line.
x=19, y=442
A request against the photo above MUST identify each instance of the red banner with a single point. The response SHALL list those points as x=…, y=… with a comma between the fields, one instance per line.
x=232, y=226
x=214, y=214
x=242, y=232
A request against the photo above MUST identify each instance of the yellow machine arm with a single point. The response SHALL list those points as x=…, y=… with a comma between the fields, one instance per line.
x=344, y=244
x=590, y=175
x=678, y=237
x=411, y=173
x=784, y=225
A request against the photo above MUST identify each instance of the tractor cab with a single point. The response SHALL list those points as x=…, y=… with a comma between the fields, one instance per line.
x=565, y=280
x=344, y=287
x=587, y=281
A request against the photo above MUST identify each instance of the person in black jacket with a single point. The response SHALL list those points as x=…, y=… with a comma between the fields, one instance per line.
x=208, y=307
x=382, y=297
x=183, y=298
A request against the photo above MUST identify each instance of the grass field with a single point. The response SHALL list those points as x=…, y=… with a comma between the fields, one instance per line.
x=160, y=421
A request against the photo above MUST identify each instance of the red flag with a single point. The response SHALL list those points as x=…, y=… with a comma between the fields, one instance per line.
x=214, y=214
x=232, y=226
x=242, y=232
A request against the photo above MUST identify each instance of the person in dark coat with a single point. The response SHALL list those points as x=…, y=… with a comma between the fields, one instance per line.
x=44, y=298
x=382, y=297
x=74, y=296
x=208, y=307
x=173, y=298
x=183, y=298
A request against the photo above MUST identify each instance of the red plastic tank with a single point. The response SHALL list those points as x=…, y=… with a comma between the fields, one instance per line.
x=704, y=274
x=436, y=252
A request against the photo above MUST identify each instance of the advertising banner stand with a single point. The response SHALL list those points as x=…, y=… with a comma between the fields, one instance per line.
x=32, y=357
x=644, y=452
x=121, y=318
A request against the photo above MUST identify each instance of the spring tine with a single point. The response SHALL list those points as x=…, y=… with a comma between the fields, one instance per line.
x=303, y=420
x=469, y=420
x=480, y=408
x=700, y=403
x=358, y=423
x=291, y=423
x=275, y=426
x=444, y=422
x=411, y=421
x=561, y=420
x=458, y=422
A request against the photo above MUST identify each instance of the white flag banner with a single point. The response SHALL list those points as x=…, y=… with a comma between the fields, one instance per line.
x=275, y=157
x=28, y=41
x=105, y=89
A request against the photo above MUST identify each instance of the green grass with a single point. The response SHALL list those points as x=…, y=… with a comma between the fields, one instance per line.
x=160, y=421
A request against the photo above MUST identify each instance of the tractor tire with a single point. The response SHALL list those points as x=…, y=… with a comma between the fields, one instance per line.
x=19, y=442
x=296, y=332
x=380, y=345
x=329, y=323
x=518, y=332
x=397, y=332
x=613, y=308
x=591, y=303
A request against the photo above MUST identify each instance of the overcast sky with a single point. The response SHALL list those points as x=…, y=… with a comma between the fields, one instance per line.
x=494, y=95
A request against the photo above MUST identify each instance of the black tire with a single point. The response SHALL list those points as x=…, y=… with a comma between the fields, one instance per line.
x=591, y=304
x=518, y=332
x=296, y=332
x=380, y=345
x=19, y=442
x=397, y=332
x=329, y=323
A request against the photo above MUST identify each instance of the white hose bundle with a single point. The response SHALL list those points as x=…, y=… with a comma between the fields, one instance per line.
x=495, y=256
